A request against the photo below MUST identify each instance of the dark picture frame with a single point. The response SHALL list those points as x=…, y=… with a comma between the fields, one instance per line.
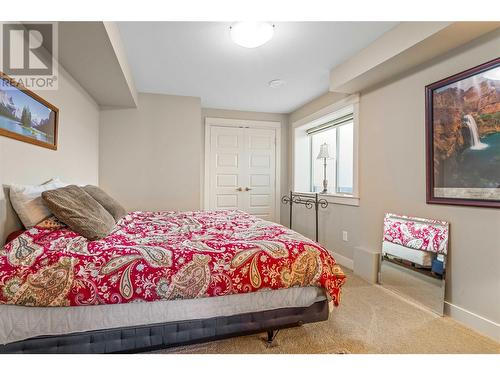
x=36, y=122
x=456, y=130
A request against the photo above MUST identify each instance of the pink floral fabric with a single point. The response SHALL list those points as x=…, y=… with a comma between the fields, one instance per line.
x=417, y=233
x=162, y=255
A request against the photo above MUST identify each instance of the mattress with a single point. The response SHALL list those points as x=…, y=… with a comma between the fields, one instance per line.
x=422, y=258
x=21, y=322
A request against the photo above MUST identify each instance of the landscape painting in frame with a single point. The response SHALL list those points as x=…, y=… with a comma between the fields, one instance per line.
x=25, y=116
x=463, y=138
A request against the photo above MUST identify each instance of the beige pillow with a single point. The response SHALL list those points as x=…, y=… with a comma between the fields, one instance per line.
x=79, y=211
x=28, y=203
x=108, y=202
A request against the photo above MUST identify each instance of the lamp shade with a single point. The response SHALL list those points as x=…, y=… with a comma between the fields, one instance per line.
x=323, y=152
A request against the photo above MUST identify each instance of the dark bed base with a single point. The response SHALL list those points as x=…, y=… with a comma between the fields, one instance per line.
x=158, y=336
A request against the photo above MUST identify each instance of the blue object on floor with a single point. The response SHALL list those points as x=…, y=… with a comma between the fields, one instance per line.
x=437, y=266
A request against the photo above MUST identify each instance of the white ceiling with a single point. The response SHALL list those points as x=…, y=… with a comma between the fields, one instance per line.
x=200, y=59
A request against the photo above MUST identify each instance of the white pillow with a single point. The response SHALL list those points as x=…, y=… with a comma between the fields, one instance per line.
x=28, y=203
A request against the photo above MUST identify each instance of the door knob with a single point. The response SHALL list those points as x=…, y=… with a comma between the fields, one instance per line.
x=247, y=189
x=239, y=189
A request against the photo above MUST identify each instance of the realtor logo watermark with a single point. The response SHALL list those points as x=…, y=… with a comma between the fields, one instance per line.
x=28, y=55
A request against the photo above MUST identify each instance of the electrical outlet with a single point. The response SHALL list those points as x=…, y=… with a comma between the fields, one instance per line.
x=344, y=235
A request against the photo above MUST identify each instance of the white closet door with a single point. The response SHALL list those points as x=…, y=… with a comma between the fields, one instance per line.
x=227, y=170
x=242, y=170
x=259, y=197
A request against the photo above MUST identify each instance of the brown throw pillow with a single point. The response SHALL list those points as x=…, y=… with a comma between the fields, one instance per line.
x=79, y=211
x=109, y=203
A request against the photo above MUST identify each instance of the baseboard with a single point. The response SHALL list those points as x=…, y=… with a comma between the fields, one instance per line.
x=343, y=261
x=473, y=321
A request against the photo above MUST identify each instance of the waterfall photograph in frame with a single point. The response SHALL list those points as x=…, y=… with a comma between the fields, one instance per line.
x=25, y=116
x=463, y=137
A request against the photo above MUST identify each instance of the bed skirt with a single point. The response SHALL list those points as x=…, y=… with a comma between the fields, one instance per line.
x=158, y=336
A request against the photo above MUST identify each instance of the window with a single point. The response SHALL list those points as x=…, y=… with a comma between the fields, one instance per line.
x=337, y=130
x=338, y=136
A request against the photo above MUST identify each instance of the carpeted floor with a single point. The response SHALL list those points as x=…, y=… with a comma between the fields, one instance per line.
x=369, y=320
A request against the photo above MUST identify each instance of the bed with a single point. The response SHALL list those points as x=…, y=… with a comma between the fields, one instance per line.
x=415, y=240
x=418, y=257
x=160, y=279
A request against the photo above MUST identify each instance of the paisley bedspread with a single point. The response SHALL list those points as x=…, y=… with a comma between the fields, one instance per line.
x=153, y=256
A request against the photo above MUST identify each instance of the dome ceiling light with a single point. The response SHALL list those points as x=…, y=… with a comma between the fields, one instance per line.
x=251, y=34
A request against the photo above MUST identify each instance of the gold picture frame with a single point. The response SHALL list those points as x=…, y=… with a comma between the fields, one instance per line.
x=25, y=116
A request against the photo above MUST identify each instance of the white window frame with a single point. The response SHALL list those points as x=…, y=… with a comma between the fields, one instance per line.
x=323, y=116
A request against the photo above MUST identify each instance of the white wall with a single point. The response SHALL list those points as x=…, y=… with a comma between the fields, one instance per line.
x=76, y=159
x=392, y=179
x=260, y=116
x=151, y=156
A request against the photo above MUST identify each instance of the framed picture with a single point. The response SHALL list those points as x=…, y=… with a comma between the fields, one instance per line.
x=463, y=138
x=25, y=116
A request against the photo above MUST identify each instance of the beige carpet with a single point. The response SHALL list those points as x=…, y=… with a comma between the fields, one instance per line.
x=369, y=320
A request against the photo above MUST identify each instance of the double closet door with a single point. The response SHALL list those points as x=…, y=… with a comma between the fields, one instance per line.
x=242, y=170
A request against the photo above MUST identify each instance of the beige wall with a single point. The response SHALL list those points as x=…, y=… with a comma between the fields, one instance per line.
x=260, y=116
x=76, y=159
x=392, y=179
x=151, y=156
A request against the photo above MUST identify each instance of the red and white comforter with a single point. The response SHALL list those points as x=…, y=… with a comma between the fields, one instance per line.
x=162, y=255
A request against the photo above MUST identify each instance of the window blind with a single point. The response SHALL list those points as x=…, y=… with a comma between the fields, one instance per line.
x=330, y=124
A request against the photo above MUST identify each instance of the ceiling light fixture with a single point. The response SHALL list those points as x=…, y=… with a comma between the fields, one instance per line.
x=251, y=34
